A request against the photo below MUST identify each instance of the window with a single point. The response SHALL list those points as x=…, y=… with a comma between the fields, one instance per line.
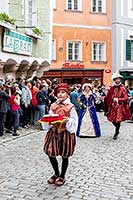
x=129, y=50
x=31, y=13
x=74, y=51
x=75, y=5
x=98, y=52
x=98, y=6
x=53, y=50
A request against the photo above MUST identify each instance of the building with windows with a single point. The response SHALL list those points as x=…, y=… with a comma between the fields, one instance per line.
x=25, y=37
x=122, y=39
x=81, y=45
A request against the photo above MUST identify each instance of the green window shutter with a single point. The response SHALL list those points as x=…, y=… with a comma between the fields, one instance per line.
x=128, y=49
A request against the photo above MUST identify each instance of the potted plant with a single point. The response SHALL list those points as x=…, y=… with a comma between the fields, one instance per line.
x=5, y=18
x=38, y=32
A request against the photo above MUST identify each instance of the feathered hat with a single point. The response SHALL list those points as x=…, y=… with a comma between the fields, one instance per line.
x=116, y=75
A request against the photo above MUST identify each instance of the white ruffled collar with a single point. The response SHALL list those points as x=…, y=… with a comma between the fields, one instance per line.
x=66, y=101
x=117, y=84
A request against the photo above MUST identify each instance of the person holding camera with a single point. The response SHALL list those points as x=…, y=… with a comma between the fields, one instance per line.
x=25, y=104
x=43, y=101
x=3, y=107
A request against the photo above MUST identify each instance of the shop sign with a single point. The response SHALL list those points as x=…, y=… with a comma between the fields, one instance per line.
x=15, y=42
x=108, y=70
x=73, y=66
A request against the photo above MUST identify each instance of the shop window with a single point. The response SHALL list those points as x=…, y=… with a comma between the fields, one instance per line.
x=129, y=50
x=98, y=52
x=53, y=50
x=75, y=5
x=74, y=51
x=98, y=6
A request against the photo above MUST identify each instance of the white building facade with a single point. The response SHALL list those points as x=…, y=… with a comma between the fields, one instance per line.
x=24, y=52
x=122, y=39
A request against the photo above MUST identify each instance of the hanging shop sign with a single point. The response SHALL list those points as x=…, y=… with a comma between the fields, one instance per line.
x=73, y=66
x=15, y=42
x=108, y=70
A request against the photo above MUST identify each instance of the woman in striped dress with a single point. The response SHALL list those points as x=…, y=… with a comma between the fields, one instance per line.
x=60, y=139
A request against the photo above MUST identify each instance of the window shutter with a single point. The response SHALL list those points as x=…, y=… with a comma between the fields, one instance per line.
x=80, y=5
x=53, y=50
x=91, y=5
x=67, y=50
x=66, y=4
x=34, y=13
x=104, y=6
x=80, y=51
x=128, y=49
x=54, y=4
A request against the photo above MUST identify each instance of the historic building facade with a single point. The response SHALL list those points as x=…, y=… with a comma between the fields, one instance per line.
x=81, y=45
x=122, y=39
x=25, y=37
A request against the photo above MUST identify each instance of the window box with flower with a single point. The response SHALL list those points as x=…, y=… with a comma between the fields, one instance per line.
x=7, y=21
x=36, y=33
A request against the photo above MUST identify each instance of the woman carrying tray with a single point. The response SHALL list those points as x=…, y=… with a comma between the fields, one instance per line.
x=60, y=139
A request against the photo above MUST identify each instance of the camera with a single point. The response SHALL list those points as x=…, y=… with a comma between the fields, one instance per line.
x=9, y=85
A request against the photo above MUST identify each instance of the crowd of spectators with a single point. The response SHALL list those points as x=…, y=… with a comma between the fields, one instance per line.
x=24, y=102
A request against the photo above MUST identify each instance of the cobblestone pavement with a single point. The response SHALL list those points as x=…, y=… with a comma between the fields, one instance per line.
x=101, y=169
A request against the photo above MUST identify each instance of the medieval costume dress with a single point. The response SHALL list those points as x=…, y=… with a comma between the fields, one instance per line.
x=116, y=104
x=117, y=111
x=88, y=124
x=61, y=140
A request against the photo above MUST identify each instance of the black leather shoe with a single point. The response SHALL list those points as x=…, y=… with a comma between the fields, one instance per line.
x=8, y=131
x=15, y=134
x=115, y=137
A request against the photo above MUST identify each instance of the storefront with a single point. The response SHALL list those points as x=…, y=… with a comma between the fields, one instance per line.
x=127, y=77
x=75, y=74
x=16, y=56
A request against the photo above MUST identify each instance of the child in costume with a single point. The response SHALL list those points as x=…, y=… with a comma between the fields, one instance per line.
x=60, y=139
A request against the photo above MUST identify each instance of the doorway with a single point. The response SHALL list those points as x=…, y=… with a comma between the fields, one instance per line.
x=72, y=81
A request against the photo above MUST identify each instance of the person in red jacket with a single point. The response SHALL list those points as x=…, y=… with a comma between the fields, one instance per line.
x=117, y=104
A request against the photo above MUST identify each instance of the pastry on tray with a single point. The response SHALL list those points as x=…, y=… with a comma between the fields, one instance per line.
x=54, y=118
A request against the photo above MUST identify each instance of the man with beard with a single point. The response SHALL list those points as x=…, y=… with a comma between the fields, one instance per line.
x=117, y=104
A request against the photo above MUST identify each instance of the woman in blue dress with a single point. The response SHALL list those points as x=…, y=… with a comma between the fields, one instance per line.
x=88, y=124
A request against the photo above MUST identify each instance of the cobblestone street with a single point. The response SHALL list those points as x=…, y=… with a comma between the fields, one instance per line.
x=100, y=169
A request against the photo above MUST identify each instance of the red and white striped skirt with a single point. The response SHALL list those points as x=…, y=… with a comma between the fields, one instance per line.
x=62, y=143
